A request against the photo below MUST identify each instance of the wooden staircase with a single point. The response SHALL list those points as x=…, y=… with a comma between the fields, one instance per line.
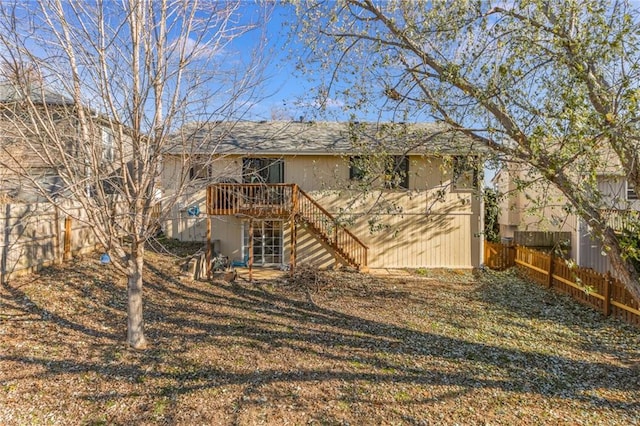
x=327, y=228
x=282, y=201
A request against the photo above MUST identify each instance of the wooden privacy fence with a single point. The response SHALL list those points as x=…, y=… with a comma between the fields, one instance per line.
x=37, y=235
x=600, y=291
x=499, y=256
x=541, y=238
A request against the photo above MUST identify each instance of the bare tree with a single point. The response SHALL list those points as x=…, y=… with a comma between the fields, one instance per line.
x=550, y=84
x=115, y=80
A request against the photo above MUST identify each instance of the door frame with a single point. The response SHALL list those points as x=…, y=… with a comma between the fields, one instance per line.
x=258, y=224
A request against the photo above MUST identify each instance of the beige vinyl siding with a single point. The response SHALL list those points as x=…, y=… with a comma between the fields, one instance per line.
x=411, y=241
x=326, y=172
x=310, y=172
x=415, y=241
x=509, y=214
x=175, y=172
x=422, y=202
x=314, y=173
x=614, y=189
x=228, y=229
x=520, y=213
x=591, y=251
x=431, y=231
x=178, y=224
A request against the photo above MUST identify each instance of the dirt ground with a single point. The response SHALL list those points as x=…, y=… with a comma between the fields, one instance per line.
x=321, y=348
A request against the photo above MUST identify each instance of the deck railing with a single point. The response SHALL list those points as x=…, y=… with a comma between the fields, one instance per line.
x=250, y=199
x=619, y=220
x=336, y=235
x=282, y=200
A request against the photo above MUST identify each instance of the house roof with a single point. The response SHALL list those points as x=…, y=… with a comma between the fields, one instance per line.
x=10, y=92
x=314, y=138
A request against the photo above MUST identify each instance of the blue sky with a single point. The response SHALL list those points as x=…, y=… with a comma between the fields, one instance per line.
x=284, y=91
x=287, y=94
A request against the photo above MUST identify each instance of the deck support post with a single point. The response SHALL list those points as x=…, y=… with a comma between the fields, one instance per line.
x=250, y=250
x=294, y=230
x=208, y=252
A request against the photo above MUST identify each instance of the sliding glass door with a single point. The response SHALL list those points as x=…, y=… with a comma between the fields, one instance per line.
x=267, y=242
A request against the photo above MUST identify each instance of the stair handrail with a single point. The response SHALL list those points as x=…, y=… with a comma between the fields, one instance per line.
x=361, y=260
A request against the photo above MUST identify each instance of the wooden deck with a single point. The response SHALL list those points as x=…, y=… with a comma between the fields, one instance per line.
x=261, y=201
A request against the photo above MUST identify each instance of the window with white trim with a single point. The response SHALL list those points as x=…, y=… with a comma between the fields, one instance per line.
x=107, y=145
x=631, y=193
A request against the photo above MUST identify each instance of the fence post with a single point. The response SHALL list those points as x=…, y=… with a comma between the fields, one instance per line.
x=551, y=259
x=606, y=306
x=67, y=238
x=57, y=256
x=504, y=256
x=512, y=255
x=486, y=257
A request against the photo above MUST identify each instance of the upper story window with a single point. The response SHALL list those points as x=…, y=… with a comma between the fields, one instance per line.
x=357, y=168
x=394, y=170
x=262, y=170
x=200, y=170
x=397, y=172
x=465, y=172
x=107, y=145
x=631, y=193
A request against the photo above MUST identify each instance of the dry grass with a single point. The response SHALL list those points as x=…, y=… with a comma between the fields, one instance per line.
x=439, y=348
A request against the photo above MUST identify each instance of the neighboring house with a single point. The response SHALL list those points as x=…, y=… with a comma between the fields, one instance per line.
x=408, y=193
x=540, y=207
x=527, y=203
x=40, y=141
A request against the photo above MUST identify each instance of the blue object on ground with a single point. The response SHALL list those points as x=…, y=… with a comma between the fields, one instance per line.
x=244, y=263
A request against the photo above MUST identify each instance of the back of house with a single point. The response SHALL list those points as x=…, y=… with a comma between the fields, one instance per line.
x=408, y=193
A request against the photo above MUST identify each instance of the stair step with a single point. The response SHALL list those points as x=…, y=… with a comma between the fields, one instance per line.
x=317, y=228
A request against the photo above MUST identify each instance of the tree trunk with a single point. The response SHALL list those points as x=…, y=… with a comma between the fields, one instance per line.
x=623, y=268
x=135, y=321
